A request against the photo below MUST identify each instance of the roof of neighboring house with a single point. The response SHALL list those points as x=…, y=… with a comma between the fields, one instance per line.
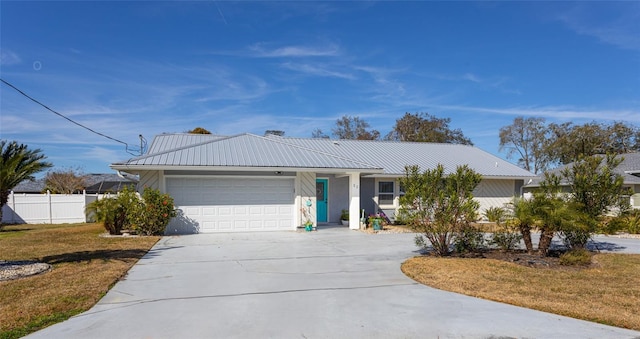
x=373, y=157
x=96, y=183
x=630, y=164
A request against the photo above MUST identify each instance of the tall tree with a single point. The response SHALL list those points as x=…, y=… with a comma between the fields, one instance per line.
x=528, y=138
x=274, y=132
x=18, y=163
x=570, y=142
x=354, y=128
x=198, y=130
x=319, y=134
x=423, y=127
x=65, y=182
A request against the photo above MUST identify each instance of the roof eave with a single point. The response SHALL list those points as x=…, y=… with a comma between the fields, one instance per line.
x=139, y=168
x=507, y=177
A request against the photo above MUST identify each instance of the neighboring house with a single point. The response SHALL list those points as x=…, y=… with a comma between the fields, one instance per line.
x=253, y=183
x=96, y=183
x=629, y=168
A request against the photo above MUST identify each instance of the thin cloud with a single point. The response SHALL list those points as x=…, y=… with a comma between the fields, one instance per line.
x=622, y=30
x=260, y=50
x=8, y=57
x=555, y=112
x=316, y=70
x=472, y=77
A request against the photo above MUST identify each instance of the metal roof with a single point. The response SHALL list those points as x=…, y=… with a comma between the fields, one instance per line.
x=245, y=150
x=393, y=156
x=163, y=142
x=630, y=163
x=248, y=150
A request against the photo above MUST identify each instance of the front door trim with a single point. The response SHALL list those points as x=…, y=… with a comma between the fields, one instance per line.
x=322, y=202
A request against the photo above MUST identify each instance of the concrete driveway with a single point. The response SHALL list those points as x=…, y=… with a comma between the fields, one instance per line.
x=333, y=283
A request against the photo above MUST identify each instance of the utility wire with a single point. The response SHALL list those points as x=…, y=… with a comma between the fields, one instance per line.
x=69, y=119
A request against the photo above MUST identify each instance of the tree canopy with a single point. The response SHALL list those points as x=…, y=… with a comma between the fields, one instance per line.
x=350, y=127
x=65, y=182
x=423, y=127
x=199, y=130
x=528, y=139
x=540, y=146
x=569, y=141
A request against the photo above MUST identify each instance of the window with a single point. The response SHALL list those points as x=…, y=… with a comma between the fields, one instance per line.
x=385, y=192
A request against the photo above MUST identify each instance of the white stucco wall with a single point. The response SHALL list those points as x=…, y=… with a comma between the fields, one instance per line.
x=494, y=193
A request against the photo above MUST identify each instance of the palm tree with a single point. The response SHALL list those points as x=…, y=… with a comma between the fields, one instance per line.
x=18, y=163
x=523, y=218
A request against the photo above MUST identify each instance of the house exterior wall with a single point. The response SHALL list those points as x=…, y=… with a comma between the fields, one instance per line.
x=149, y=179
x=489, y=193
x=306, y=191
x=338, y=197
x=634, y=200
x=367, y=195
x=495, y=193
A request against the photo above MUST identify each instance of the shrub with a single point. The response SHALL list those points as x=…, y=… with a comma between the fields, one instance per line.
x=470, y=239
x=439, y=205
x=506, y=240
x=613, y=225
x=153, y=213
x=114, y=212
x=495, y=214
x=576, y=257
x=626, y=222
x=633, y=222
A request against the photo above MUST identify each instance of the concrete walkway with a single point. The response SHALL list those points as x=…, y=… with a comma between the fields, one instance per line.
x=333, y=283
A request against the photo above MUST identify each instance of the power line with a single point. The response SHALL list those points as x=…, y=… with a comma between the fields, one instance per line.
x=70, y=120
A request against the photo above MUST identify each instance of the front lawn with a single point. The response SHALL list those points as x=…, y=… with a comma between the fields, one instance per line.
x=608, y=292
x=85, y=266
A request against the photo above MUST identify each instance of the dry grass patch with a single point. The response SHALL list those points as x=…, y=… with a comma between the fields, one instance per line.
x=85, y=266
x=608, y=292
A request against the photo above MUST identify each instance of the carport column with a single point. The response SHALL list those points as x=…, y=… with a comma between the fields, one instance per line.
x=354, y=201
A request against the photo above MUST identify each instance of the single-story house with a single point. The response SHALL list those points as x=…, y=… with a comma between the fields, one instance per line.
x=248, y=182
x=629, y=169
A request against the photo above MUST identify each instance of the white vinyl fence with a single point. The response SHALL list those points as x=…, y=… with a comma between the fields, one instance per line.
x=29, y=208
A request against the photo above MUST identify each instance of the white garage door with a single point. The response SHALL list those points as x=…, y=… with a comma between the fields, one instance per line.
x=235, y=204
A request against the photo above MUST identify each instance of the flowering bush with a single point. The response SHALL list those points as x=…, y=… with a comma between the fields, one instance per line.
x=153, y=213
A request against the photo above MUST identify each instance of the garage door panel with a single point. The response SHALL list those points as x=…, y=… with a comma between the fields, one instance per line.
x=225, y=225
x=225, y=211
x=225, y=205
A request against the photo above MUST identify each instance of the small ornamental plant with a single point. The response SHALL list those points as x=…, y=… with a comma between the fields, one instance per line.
x=377, y=221
x=344, y=215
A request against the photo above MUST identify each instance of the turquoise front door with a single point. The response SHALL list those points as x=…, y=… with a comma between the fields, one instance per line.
x=321, y=199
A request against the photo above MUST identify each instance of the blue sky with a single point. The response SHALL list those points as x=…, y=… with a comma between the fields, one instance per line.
x=130, y=68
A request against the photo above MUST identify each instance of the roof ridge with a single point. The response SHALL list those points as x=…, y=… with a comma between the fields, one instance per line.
x=383, y=141
x=184, y=147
